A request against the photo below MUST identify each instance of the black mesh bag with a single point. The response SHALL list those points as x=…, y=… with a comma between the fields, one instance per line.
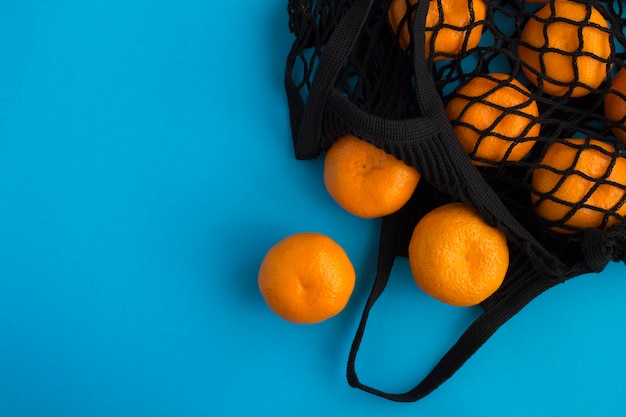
x=357, y=68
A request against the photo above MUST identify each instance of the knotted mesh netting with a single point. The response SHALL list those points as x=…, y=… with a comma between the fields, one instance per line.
x=546, y=71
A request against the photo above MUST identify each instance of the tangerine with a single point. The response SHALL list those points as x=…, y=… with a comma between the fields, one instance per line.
x=580, y=184
x=493, y=116
x=365, y=180
x=452, y=26
x=306, y=278
x=456, y=257
x=565, y=48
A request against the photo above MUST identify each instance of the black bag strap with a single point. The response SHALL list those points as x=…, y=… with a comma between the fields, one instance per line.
x=523, y=283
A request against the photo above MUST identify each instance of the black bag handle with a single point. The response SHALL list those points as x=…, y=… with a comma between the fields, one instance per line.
x=523, y=284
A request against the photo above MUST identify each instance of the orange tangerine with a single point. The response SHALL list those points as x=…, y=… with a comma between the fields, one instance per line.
x=580, y=184
x=493, y=116
x=566, y=51
x=306, y=278
x=365, y=180
x=456, y=257
x=453, y=24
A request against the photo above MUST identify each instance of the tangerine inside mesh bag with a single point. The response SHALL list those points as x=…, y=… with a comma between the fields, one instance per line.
x=516, y=108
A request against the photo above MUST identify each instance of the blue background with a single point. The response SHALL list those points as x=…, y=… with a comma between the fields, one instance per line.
x=145, y=169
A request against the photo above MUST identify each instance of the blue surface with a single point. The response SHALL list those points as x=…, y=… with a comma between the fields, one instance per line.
x=145, y=169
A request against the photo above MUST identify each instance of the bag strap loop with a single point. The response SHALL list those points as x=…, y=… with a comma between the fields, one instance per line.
x=525, y=284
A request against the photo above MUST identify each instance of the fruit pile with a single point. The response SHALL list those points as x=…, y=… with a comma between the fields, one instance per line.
x=454, y=255
x=535, y=94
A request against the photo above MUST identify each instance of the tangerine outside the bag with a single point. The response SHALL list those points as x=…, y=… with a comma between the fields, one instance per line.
x=544, y=166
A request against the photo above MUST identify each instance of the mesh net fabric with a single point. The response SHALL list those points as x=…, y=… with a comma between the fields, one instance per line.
x=378, y=77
